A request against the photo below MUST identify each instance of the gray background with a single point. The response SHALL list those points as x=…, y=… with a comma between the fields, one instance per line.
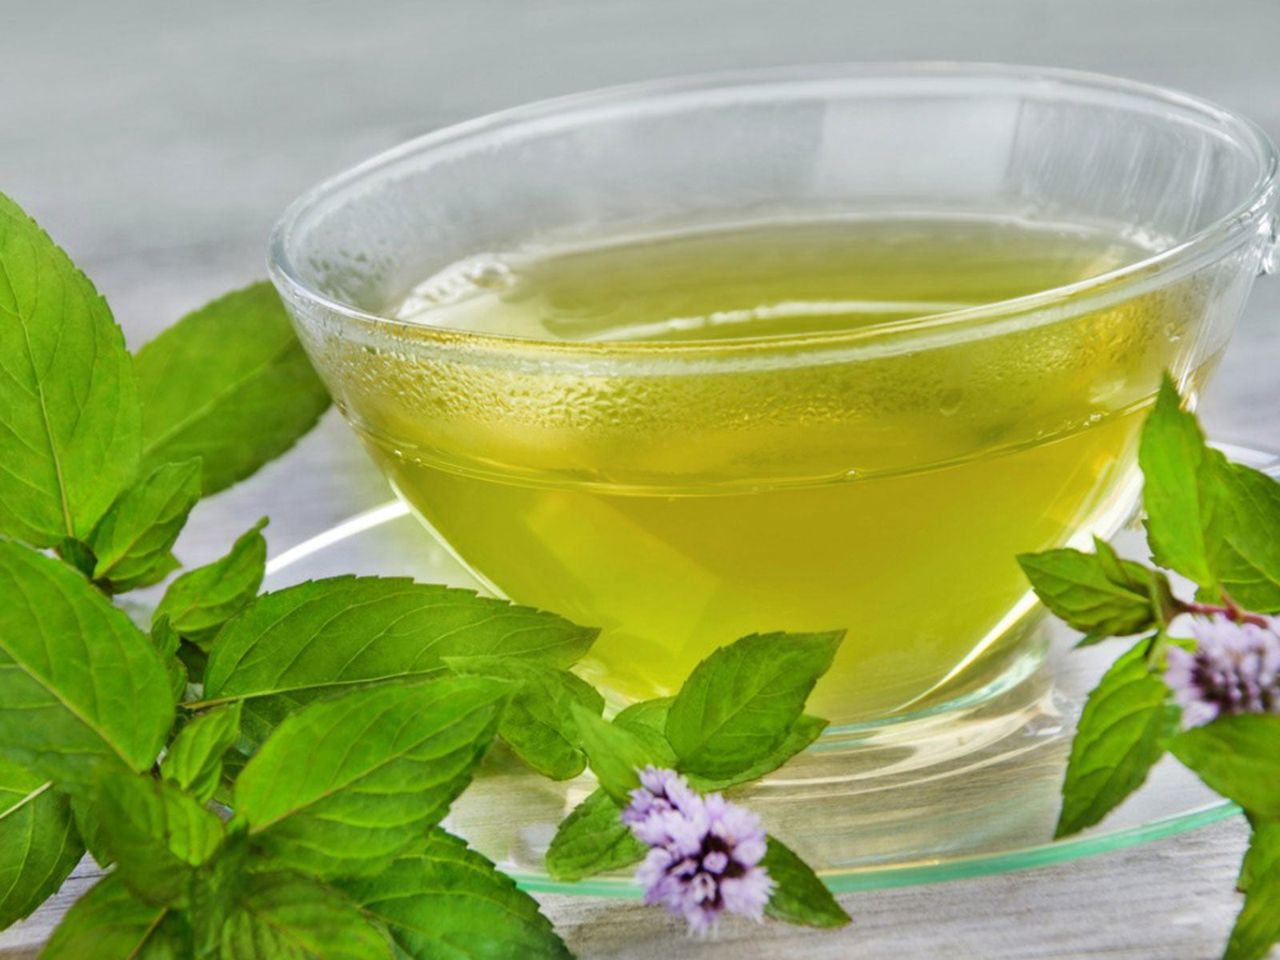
x=158, y=141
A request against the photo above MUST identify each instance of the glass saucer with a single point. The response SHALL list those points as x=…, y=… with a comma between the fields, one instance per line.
x=964, y=793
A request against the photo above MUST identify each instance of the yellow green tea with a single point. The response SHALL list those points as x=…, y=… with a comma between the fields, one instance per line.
x=759, y=427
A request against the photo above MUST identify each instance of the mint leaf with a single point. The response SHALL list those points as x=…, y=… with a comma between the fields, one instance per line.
x=802, y=733
x=615, y=753
x=200, y=601
x=1216, y=522
x=647, y=719
x=799, y=896
x=70, y=439
x=345, y=786
x=1177, y=492
x=80, y=687
x=290, y=646
x=1238, y=757
x=110, y=923
x=230, y=384
x=38, y=842
x=167, y=643
x=1124, y=729
x=651, y=714
x=290, y=916
x=1257, y=928
x=448, y=901
x=739, y=704
x=1247, y=528
x=215, y=889
x=193, y=761
x=1097, y=594
x=156, y=834
x=85, y=814
x=133, y=540
x=538, y=725
x=591, y=840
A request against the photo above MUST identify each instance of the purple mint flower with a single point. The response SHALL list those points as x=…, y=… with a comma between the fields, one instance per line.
x=704, y=851
x=1235, y=668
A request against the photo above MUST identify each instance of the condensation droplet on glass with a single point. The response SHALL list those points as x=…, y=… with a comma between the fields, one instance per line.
x=950, y=401
x=490, y=274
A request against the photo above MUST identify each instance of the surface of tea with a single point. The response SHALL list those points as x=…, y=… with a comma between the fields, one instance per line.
x=679, y=502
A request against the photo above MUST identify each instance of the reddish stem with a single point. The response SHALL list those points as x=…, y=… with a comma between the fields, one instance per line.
x=1229, y=609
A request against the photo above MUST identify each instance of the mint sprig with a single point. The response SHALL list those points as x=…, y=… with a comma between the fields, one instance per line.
x=745, y=699
x=337, y=720
x=1218, y=524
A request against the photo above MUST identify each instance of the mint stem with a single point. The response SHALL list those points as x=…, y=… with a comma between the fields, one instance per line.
x=1228, y=608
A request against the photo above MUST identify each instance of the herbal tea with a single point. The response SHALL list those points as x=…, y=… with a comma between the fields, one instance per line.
x=679, y=507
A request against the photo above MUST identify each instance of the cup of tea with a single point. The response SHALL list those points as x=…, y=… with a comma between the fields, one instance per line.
x=784, y=351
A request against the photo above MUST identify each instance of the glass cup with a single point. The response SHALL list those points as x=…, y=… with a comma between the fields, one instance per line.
x=679, y=494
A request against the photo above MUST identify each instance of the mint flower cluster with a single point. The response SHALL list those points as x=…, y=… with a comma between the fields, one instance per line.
x=1235, y=668
x=705, y=852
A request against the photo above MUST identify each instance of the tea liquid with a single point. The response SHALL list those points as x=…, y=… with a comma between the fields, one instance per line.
x=886, y=494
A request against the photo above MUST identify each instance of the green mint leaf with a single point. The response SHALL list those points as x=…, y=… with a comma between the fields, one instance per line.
x=1247, y=534
x=1177, y=492
x=1239, y=757
x=739, y=704
x=78, y=554
x=345, y=786
x=110, y=923
x=651, y=714
x=802, y=733
x=156, y=834
x=200, y=601
x=230, y=384
x=81, y=687
x=134, y=539
x=1257, y=929
x=1124, y=729
x=71, y=423
x=167, y=643
x=193, y=761
x=39, y=845
x=165, y=638
x=616, y=754
x=84, y=812
x=448, y=901
x=592, y=839
x=215, y=889
x=538, y=725
x=799, y=896
x=297, y=918
x=647, y=719
x=290, y=646
x=1097, y=594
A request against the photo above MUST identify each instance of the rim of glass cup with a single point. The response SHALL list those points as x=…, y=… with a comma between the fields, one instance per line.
x=1247, y=218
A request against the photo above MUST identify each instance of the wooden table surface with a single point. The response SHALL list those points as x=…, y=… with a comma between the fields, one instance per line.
x=158, y=142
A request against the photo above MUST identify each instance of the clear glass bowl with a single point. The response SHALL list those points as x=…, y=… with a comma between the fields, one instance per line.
x=682, y=493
